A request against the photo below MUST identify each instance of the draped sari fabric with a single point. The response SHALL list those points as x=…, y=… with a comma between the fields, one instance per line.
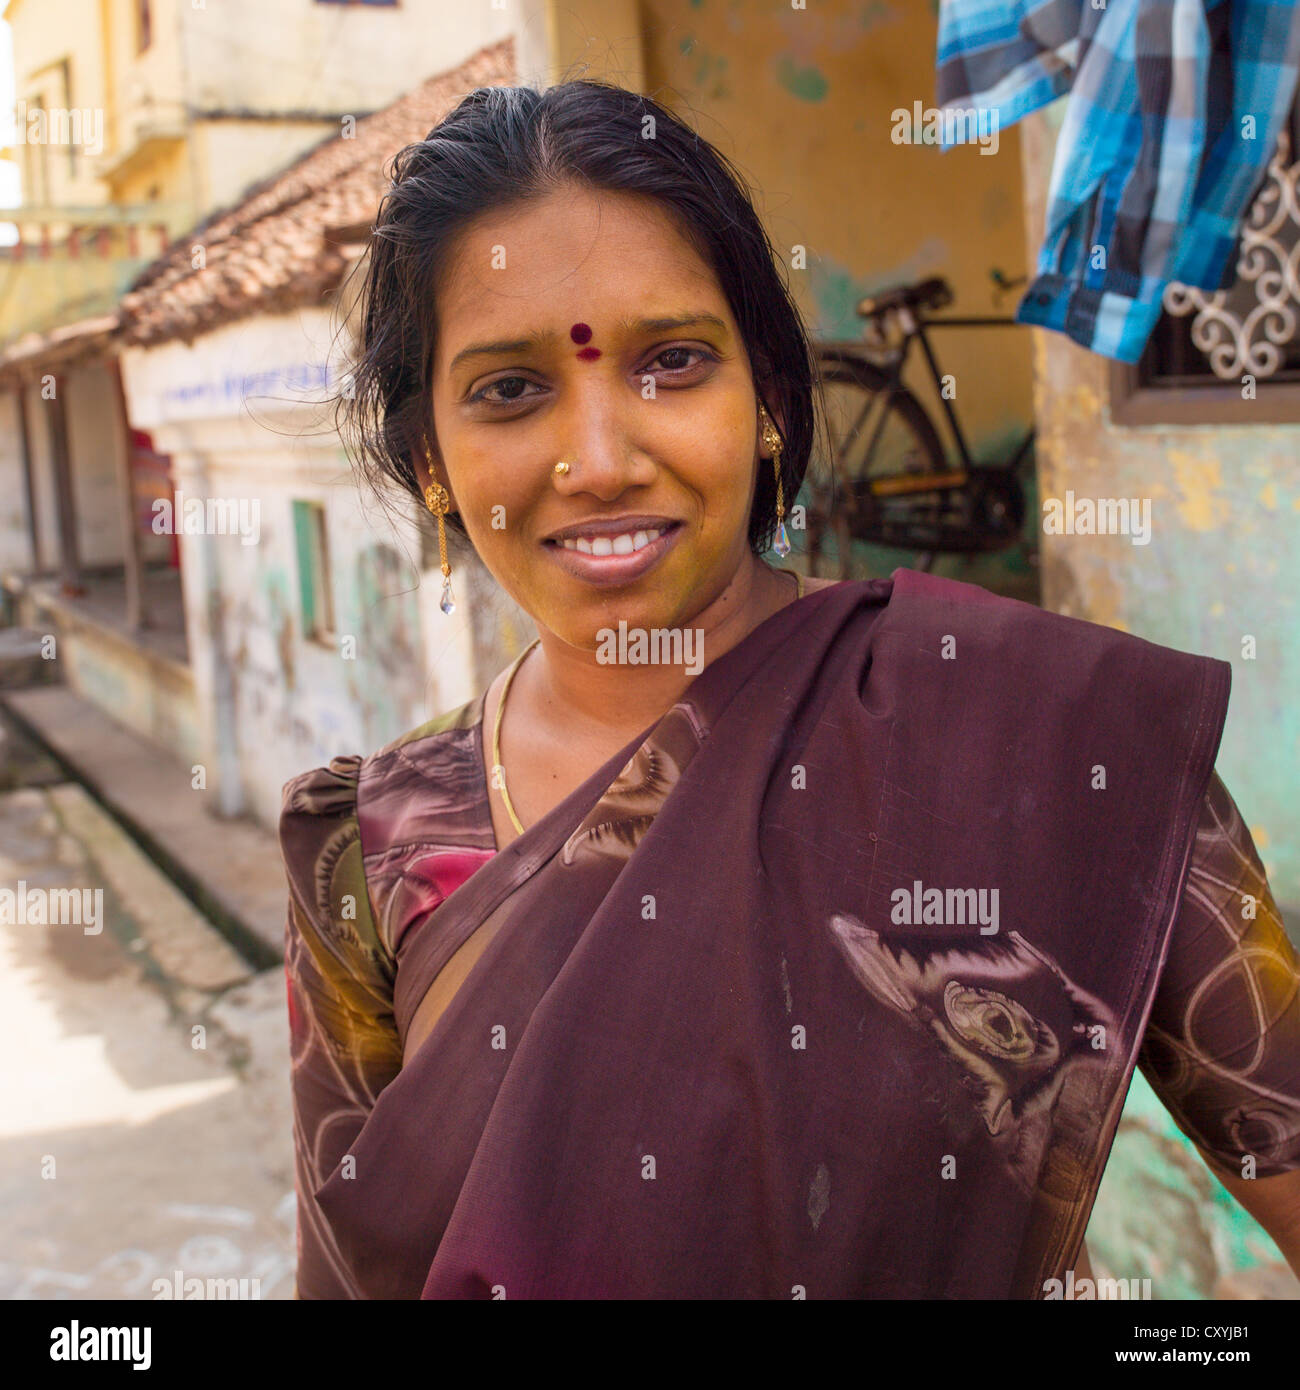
x=727, y=1041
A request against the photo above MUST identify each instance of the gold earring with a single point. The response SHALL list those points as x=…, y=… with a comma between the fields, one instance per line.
x=772, y=440
x=438, y=502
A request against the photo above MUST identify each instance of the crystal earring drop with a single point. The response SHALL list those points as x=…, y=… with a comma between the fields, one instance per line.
x=772, y=440
x=437, y=501
x=782, y=543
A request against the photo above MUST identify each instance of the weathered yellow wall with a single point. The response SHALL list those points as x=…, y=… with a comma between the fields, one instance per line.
x=167, y=177
x=1221, y=563
x=43, y=35
x=232, y=155
x=597, y=39
x=802, y=100
x=144, y=87
x=224, y=96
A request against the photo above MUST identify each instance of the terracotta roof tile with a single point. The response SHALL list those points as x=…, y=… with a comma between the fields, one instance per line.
x=269, y=252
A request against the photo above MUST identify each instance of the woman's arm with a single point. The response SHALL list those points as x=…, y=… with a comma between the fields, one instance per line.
x=1274, y=1203
x=344, y=1047
x=1222, y=1046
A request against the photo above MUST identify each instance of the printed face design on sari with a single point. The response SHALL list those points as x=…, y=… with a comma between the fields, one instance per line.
x=1013, y=1062
x=617, y=822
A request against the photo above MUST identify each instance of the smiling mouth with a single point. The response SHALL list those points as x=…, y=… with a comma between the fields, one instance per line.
x=626, y=543
x=612, y=561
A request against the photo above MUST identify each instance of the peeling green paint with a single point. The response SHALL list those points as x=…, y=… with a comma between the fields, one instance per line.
x=836, y=289
x=877, y=12
x=806, y=83
x=1162, y=1215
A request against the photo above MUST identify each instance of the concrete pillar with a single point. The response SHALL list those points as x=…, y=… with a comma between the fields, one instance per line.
x=600, y=39
x=29, y=485
x=65, y=501
x=132, y=568
x=210, y=661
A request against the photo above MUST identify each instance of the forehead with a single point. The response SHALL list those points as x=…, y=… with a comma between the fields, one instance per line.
x=574, y=255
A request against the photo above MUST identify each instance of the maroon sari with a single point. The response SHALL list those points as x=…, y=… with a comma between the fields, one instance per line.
x=713, y=1049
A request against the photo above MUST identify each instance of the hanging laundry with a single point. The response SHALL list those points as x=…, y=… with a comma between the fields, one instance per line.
x=1173, y=115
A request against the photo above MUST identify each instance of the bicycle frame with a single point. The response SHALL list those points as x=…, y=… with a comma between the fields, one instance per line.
x=914, y=327
x=883, y=352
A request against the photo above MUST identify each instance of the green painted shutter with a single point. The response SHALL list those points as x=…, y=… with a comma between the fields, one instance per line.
x=302, y=530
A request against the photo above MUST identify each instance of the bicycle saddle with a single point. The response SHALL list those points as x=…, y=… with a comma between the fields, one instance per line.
x=933, y=293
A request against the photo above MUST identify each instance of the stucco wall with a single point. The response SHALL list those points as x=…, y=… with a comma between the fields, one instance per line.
x=15, y=538
x=95, y=446
x=345, y=57
x=803, y=101
x=1222, y=563
x=38, y=424
x=274, y=701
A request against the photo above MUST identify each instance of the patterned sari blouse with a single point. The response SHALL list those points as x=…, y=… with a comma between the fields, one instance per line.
x=1221, y=1047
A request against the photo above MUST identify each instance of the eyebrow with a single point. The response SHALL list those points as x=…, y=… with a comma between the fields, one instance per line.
x=663, y=325
x=540, y=340
x=501, y=349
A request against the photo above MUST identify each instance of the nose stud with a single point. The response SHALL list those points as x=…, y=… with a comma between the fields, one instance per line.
x=561, y=468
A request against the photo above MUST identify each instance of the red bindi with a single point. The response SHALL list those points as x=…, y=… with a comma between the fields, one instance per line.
x=581, y=333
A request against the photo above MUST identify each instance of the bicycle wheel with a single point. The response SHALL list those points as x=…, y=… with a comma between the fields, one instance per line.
x=877, y=428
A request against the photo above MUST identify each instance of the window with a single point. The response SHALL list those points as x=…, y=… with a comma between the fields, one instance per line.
x=36, y=154
x=67, y=105
x=1232, y=355
x=315, y=594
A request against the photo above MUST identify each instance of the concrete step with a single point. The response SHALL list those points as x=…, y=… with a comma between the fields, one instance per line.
x=22, y=659
x=230, y=869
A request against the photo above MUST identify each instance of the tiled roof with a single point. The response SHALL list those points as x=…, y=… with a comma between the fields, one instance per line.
x=62, y=347
x=270, y=252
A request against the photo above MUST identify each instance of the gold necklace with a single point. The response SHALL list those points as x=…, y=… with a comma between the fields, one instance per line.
x=505, y=690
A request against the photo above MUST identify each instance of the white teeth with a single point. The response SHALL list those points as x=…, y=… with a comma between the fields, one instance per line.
x=612, y=545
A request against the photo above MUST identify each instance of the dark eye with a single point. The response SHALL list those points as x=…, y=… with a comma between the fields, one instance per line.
x=679, y=356
x=509, y=387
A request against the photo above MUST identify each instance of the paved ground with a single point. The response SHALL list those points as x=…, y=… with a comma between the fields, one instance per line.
x=144, y=1104
x=231, y=867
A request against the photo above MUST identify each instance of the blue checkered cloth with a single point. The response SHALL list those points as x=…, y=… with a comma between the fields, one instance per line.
x=1174, y=113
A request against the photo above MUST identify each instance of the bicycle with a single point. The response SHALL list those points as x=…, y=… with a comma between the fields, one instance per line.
x=899, y=488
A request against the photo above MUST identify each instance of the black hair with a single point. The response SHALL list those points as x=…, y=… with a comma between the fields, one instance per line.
x=504, y=145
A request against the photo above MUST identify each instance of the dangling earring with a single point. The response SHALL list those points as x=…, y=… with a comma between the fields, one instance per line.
x=772, y=440
x=437, y=501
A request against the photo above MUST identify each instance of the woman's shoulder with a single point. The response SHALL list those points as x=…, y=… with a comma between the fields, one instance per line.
x=431, y=772
x=330, y=791
x=324, y=792
x=459, y=720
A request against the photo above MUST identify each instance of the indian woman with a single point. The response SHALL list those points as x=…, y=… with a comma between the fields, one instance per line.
x=750, y=935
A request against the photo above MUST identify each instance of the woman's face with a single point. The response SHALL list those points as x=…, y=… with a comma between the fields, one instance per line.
x=584, y=327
